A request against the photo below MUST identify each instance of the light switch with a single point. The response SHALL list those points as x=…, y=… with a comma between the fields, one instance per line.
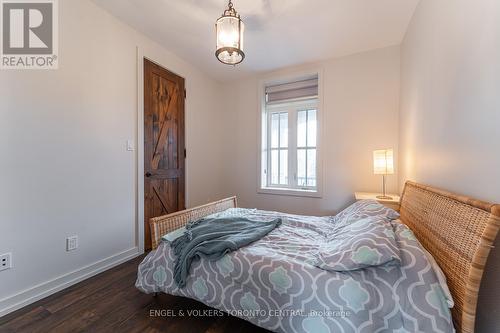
x=130, y=145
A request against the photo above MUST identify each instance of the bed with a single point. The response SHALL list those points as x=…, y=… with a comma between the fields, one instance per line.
x=271, y=281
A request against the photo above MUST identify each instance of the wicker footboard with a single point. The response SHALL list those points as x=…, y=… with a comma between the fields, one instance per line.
x=164, y=224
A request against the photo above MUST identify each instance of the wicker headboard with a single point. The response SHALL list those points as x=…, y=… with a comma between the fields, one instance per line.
x=164, y=224
x=459, y=232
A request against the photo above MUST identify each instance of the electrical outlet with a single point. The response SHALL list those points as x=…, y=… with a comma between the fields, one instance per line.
x=5, y=261
x=71, y=243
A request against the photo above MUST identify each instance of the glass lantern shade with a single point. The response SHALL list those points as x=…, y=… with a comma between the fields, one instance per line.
x=229, y=30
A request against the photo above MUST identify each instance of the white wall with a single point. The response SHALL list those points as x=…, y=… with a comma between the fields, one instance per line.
x=450, y=112
x=64, y=169
x=360, y=114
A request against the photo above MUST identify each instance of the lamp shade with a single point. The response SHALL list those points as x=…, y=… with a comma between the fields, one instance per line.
x=383, y=162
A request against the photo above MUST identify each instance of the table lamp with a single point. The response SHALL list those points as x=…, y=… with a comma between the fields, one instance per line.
x=383, y=164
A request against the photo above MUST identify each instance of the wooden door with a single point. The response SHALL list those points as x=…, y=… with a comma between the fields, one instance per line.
x=164, y=152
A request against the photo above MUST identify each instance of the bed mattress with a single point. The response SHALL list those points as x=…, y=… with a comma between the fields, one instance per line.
x=275, y=284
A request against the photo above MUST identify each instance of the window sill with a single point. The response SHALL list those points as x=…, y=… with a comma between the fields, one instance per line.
x=290, y=192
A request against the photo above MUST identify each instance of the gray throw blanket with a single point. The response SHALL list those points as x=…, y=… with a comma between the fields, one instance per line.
x=213, y=238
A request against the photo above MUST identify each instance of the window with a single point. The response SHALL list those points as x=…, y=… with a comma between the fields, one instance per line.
x=290, y=137
x=306, y=148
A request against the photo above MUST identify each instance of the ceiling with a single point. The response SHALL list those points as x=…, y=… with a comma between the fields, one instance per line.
x=278, y=33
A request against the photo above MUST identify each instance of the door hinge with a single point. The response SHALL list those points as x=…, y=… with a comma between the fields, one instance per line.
x=185, y=153
x=185, y=93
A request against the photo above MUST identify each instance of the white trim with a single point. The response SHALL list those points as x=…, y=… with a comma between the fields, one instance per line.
x=44, y=289
x=290, y=192
x=141, y=55
x=139, y=241
x=274, y=79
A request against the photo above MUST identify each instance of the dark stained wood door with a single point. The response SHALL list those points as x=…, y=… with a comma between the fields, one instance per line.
x=164, y=154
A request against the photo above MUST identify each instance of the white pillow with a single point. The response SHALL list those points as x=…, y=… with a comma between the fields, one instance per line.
x=441, y=278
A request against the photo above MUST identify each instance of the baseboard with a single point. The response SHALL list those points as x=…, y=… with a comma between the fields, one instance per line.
x=42, y=290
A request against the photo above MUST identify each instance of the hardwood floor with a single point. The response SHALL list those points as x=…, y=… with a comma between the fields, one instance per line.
x=109, y=302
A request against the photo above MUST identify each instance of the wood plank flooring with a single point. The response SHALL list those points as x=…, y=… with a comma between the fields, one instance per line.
x=109, y=302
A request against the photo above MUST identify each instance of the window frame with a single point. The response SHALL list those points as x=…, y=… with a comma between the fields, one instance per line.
x=277, y=110
x=266, y=111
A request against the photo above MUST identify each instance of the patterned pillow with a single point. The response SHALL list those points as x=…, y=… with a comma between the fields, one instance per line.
x=364, y=243
x=362, y=209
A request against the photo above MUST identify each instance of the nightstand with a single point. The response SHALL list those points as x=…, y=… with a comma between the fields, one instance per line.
x=391, y=203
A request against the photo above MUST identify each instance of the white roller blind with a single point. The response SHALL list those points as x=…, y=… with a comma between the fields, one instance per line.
x=305, y=88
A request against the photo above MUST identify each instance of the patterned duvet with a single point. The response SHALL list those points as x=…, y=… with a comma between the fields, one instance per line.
x=275, y=284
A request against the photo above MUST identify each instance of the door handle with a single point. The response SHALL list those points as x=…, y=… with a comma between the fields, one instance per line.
x=148, y=174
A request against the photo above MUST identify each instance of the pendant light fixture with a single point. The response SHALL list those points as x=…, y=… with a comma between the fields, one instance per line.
x=229, y=31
